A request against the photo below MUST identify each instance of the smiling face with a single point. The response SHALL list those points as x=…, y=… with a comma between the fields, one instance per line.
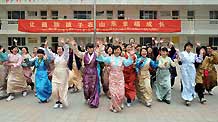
x=144, y=53
x=90, y=50
x=24, y=51
x=14, y=50
x=188, y=48
x=117, y=52
x=164, y=53
x=60, y=51
x=149, y=50
x=110, y=50
x=39, y=55
x=129, y=48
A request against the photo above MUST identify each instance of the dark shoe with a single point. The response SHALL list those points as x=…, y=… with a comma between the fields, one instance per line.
x=167, y=101
x=45, y=101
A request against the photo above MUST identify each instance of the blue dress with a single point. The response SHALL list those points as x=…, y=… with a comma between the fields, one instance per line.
x=188, y=73
x=43, y=84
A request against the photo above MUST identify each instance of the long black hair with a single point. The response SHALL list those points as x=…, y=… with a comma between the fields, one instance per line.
x=143, y=49
x=188, y=44
x=12, y=47
x=27, y=50
x=40, y=51
x=109, y=46
x=116, y=47
x=90, y=45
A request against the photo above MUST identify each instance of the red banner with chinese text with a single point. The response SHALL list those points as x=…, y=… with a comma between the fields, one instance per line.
x=61, y=26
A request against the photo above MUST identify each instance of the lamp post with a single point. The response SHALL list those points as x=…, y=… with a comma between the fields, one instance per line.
x=94, y=17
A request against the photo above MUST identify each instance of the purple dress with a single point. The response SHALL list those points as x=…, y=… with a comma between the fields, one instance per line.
x=90, y=80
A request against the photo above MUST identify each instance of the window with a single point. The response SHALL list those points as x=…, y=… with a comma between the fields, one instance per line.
x=109, y=14
x=148, y=14
x=15, y=15
x=43, y=14
x=54, y=43
x=145, y=41
x=43, y=39
x=32, y=13
x=175, y=14
x=54, y=14
x=82, y=14
x=213, y=15
x=21, y=41
x=121, y=14
x=99, y=13
x=190, y=15
x=213, y=41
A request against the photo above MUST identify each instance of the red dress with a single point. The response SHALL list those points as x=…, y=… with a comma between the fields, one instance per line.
x=130, y=78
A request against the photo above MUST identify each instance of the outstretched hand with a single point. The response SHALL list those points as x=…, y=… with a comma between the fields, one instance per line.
x=45, y=57
x=62, y=42
x=158, y=58
x=73, y=43
x=46, y=44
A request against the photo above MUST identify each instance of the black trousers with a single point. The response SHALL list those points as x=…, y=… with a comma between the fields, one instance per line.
x=199, y=89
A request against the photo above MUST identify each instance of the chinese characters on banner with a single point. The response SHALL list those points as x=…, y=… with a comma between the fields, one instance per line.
x=61, y=26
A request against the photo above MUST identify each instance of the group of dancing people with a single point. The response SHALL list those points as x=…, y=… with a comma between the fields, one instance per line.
x=124, y=72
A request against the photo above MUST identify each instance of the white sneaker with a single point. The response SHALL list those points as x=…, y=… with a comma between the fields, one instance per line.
x=203, y=100
x=11, y=97
x=122, y=106
x=115, y=111
x=61, y=106
x=24, y=93
x=210, y=93
x=128, y=104
x=56, y=106
x=148, y=104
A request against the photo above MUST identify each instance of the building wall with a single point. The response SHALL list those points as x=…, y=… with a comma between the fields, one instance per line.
x=197, y=30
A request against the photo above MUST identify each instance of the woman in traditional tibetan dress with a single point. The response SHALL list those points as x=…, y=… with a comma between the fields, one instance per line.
x=42, y=83
x=163, y=82
x=116, y=77
x=143, y=86
x=188, y=73
x=16, y=81
x=130, y=77
x=90, y=74
x=60, y=74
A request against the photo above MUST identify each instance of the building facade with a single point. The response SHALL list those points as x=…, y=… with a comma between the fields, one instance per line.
x=199, y=19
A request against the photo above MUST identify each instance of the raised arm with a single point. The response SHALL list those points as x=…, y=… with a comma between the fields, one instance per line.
x=48, y=52
x=66, y=52
x=30, y=62
x=76, y=51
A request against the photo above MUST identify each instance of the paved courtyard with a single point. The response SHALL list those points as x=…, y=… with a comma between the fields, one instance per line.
x=27, y=109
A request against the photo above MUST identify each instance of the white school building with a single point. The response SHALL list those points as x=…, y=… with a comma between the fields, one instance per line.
x=199, y=19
